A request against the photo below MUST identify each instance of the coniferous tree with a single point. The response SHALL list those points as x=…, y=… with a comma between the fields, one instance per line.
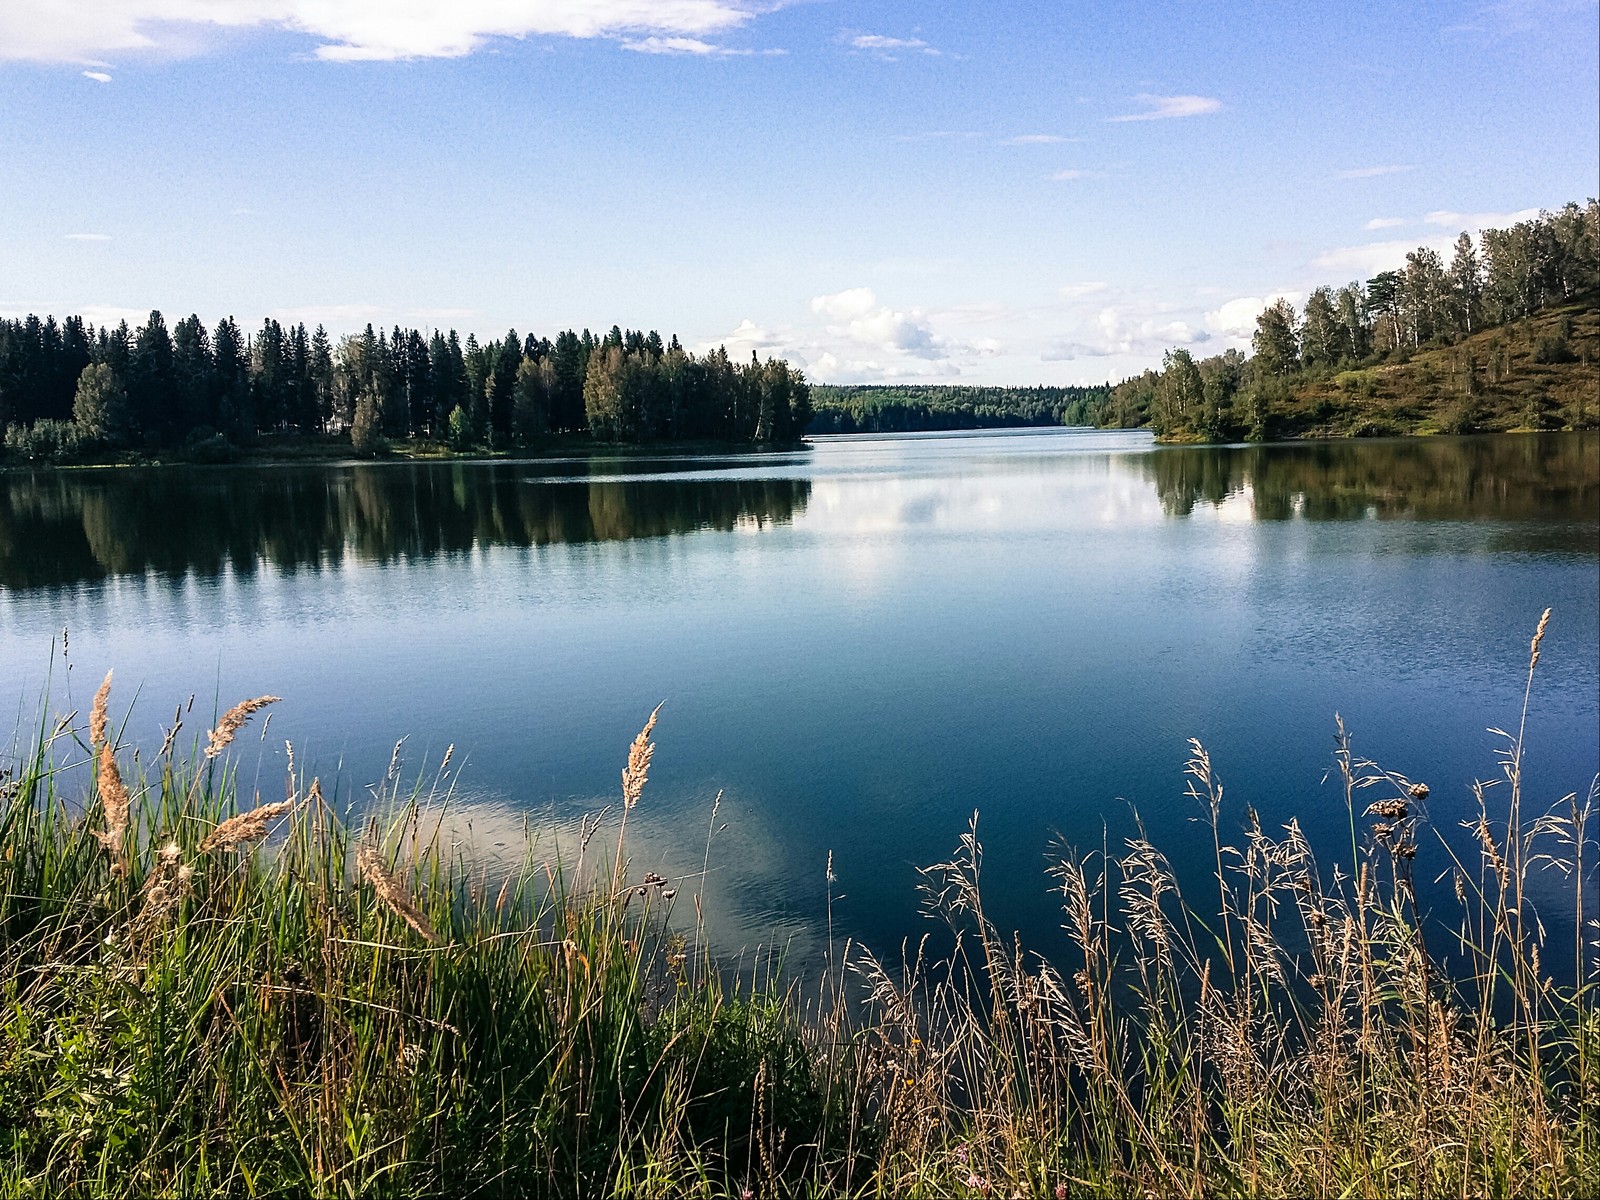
x=320, y=375
x=235, y=412
x=150, y=379
x=194, y=374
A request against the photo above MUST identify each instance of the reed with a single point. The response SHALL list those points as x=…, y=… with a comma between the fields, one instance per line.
x=203, y=998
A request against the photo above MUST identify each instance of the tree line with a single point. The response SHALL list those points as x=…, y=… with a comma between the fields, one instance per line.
x=889, y=408
x=69, y=390
x=1508, y=276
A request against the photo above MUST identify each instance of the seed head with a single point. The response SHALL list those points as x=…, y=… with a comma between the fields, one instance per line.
x=638, y=768
x=232, y=721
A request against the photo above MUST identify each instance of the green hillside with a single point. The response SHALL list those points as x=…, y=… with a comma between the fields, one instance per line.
x=1538, y=373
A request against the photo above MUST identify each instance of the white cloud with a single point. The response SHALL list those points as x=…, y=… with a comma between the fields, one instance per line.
x=85, y=31
x=1161, y=108
x=845, y=305
x=1118, y=331
x=828, y=367
x=1476, y=221
x=88, y=237
x=97, y=76
x=101, y=316
x=1076, y=291
x=889, y=48
x=687, y=45
x=894, y=331
x=750, y=336
x=1373, y=257
x=1374, y=172
x=1237, y=318
x=672, y=45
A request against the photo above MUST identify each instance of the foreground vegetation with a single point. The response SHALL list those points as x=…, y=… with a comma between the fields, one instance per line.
x=202, y=1000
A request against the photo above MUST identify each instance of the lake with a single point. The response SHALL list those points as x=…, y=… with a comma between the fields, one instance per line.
x=859, y=644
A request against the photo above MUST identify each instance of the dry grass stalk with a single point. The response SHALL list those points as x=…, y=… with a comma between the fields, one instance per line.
x=116, y=804
x=232, y=721
x=370, y=863
x=1538, y=636
x=638, y=768
x=245, y=827
x=97, y=714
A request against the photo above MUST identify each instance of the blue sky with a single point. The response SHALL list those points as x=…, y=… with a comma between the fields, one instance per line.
x=996, y=193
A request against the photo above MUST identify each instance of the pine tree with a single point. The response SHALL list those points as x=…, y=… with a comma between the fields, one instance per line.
x=150, y=379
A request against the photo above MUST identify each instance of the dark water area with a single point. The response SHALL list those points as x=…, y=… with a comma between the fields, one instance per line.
x=860, y=644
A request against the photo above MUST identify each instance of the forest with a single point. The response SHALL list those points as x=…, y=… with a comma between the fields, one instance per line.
x=900, y=409
x=70, y=392
x=1504, y=335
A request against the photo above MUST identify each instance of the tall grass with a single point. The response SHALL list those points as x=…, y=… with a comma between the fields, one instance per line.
x=204, y=993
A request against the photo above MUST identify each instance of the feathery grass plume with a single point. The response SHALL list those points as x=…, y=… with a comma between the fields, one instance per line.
x=370, y=864
x=246, y=826
x=115, y=803
x=1538, y=636
x=232, y=721
x=638, y=768
x=97, y=714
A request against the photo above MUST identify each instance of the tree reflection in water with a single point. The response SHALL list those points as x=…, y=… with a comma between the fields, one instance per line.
x=63, y=528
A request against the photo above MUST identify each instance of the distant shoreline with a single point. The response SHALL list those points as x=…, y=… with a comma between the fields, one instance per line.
x=335, y=450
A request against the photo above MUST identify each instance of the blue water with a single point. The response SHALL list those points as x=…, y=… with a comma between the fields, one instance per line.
x=859, y=644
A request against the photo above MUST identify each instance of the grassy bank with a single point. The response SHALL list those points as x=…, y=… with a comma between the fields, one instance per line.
x=207, y=991
x=1536, y=374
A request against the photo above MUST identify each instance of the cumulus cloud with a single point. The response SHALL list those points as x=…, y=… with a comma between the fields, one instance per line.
x=1237, y=318
x=845, y=305
x=1374, y=172
x=1120, y=331
x=829, y=367
x=893, y=330
x=85, y=31
x=1162, y=108
x=856, y=316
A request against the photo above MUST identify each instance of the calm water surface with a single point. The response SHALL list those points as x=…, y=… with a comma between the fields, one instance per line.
x=859, y=644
